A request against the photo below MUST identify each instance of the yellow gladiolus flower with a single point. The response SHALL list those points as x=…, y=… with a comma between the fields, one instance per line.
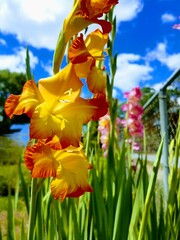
x=84, y=13
x=85, y=55
x=55, y=108
x=69, y=167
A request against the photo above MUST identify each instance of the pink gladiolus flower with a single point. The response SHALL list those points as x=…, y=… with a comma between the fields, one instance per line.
x=177, y=26
x=135, y=145
x=134, y=95
x=104, y=129
x=133, y=122
x=134, y=113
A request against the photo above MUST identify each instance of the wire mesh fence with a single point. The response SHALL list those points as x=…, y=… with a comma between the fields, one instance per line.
x=152, y=117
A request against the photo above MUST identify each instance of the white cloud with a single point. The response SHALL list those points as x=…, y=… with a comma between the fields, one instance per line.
x=157, y=86
x=3, y=42
x=16, y=62
x=35, y=22
x=172, y=61
x=167, y=17
x=130, y=71
x=127, y=10
x=48, y=68
x=38, y=22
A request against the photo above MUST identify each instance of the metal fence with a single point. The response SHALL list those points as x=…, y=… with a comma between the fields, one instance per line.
x=161, y=113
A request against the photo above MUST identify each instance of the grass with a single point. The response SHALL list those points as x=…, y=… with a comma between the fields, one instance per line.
x=19, y=214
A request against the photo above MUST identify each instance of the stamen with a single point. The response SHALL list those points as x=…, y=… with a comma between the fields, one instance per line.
x=69, y=92
x=64, y=101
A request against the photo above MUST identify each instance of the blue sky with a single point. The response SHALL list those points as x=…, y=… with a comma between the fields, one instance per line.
x=148, y=47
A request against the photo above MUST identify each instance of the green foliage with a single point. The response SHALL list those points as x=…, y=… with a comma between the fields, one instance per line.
x=10, y=220
x=10, y=82
x=125, y=203
x=8, y=178
x=147, y=93
x=10, y=153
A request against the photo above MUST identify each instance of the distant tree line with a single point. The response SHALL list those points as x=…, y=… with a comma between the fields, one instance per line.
x=10, y=82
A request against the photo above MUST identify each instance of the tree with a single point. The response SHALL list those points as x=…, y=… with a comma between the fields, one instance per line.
x=10, y=82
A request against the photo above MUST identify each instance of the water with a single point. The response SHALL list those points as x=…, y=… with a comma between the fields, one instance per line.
x=22, y=136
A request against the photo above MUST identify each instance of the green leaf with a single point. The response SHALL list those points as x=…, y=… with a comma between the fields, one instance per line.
x=0, y=232
x=23, y=234
x=150, y=190
x=29, y=76
x=10, y=219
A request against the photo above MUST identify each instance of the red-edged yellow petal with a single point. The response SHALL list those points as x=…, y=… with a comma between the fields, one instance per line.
x=80, y=56
x=72, y=174
x=95, y=42
x=55, y=143
x=24, y=103
x=75, y=115
x=101, y=104
x=95, y=8
x=59, y=85
x=83, y=69
x=64, y=120
x=11, y=104
x=96, y=81
x=75, y=22
x=40, y=160
x=85, y=13
x=44, y=124
x=78, y=52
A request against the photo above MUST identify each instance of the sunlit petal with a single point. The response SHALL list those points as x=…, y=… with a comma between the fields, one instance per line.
x=78, y=52
x=72, y=174
x=98, y=7
x=44, y=124
x=96, y=81
x=95, y=43
x=59, y=85
x=24, y=103
x=65, y=121
x=40, y=160
x=101, y=104
x=85, y=13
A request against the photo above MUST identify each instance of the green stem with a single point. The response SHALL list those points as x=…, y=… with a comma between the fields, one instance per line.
x=88, y=137
x=33, y=204
x=59, y=52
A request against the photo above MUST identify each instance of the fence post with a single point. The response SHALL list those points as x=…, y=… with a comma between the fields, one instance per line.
x=164, y=130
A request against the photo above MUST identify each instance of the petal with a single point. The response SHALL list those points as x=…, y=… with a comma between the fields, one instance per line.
x=85, y=13
x=61, y=189
x=40, y=160
x=83, y=69
x=78, y=52
x=44, y=124
x=24, y=103
x=75, y=115
x=80, y=56
x=65, y=121
x=101, y=104
x=75, y=22
x=95, y=43
x=11, y=104
x=106, y=26
x=98, y=7
x=177, y=26
x=72, y=174
x=96, y=81
x=59, y=85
